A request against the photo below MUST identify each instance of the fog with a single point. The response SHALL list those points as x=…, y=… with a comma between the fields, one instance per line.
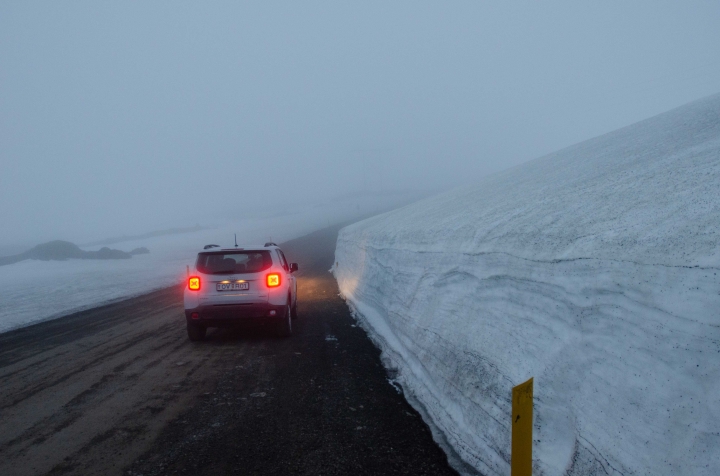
x=128, y=117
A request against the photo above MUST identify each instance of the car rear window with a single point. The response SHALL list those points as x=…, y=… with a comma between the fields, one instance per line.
x=233, y=262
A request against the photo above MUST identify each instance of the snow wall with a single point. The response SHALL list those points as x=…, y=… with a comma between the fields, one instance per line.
x=593, y=270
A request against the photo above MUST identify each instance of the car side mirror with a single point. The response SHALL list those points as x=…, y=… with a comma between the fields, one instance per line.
x=293, y=267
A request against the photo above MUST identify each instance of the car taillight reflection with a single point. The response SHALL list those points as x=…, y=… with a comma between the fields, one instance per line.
x=273, y=280
x=194, y=283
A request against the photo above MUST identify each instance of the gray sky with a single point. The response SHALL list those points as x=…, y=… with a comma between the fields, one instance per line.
x=124, y=117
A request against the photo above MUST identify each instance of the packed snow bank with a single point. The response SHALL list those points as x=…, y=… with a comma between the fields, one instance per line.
x=34, y=291
x=594, y=270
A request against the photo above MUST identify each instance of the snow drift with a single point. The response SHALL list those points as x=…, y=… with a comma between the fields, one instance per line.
x=594, y=270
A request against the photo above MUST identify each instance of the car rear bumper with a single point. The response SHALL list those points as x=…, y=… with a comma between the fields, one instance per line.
x=235, y=314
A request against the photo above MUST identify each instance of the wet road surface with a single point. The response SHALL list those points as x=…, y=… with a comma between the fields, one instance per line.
x=120, y=390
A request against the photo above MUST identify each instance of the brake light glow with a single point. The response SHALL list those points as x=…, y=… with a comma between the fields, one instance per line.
x=273, y=280
x=194, y=283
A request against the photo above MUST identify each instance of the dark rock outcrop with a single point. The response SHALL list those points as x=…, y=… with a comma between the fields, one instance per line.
x=106, y=253
x=59, y=250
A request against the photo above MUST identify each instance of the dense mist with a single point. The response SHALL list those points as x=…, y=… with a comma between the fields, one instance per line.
x=128, y=117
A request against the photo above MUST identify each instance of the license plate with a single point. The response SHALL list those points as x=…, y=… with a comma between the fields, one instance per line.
x=233, y=286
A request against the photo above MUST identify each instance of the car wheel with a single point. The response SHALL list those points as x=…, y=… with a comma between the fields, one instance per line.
x=196, y=332
x=285, y=325
x=293, y=311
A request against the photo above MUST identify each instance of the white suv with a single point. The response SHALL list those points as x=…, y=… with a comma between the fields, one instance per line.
x=236, y=285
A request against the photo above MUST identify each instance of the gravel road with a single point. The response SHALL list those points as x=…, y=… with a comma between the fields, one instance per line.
x=119, y=389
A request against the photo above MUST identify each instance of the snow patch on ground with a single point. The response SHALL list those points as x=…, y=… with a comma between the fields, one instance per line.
x=595, y=270
x=34, y=291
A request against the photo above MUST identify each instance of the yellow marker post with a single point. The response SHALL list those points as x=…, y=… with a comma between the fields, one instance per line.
x=522, y=426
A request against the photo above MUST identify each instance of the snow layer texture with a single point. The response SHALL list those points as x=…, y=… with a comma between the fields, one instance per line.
x=594, y=270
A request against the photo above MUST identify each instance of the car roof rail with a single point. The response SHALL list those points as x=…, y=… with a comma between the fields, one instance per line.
x=269, y=243
x=207, y=247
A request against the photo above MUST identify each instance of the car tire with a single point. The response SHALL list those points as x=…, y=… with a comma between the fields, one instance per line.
x=293, y=311
x=196, y=332
x=284, y=328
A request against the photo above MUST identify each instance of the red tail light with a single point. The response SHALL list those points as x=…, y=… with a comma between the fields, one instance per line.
x=273, y=280
x=194, y=283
